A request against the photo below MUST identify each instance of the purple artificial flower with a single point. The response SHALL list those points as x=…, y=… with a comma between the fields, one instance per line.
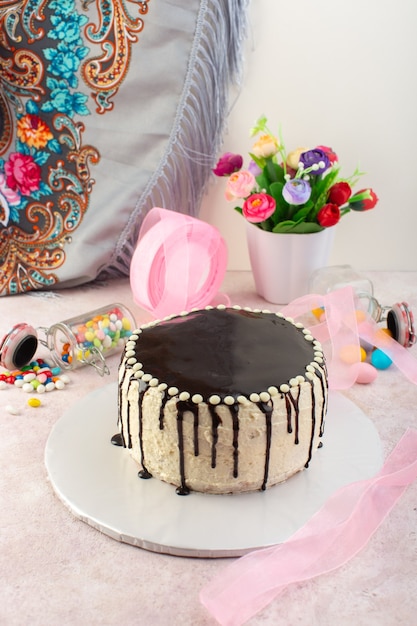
x=254, y=168
x=228, y=164
x=296, y=191
x=315, y=157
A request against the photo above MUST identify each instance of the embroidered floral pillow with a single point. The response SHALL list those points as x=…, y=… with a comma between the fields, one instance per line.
x=104, y=106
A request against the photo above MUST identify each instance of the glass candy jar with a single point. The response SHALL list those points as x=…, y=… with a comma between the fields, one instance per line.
x=85, y=339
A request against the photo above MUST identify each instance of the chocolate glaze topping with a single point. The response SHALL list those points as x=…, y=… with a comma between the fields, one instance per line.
x=218, y=356
x=221, y=352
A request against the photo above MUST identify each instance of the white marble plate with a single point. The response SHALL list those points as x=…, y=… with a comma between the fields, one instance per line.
x=98, y=482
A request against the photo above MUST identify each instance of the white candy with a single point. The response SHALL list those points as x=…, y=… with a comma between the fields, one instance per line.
x=3, y=384
x=59, y=384
x=12, y=410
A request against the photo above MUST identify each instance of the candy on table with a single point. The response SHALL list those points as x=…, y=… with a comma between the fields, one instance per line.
x=368, y=358
x=37, y=377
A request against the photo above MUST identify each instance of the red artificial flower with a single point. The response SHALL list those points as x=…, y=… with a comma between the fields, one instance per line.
x=332, y=156
x=328, y=215
x=363, y=200
x=258, y=207
x=339, y=193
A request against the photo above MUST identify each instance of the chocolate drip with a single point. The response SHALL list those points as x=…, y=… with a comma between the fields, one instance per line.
x=117, y=439
x=162, y=411
x=129, y=435
x=289, y=412
x=120, y=421
x=215, y=423
x=313, y=424
x=182, y=490
x=234, y=412
x=295, y=402
x=144, y=472
x=267, y=408
x=323, y=407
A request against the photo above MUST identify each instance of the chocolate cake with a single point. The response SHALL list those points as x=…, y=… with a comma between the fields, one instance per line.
x=222, y=400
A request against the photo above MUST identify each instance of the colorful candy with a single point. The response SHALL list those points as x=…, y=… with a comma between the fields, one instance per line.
x=37, y=377
x=34, y=402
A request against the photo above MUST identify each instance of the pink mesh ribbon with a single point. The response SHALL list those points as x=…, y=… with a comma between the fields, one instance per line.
x=340, y=328
x=336, y=533
x=179, y=263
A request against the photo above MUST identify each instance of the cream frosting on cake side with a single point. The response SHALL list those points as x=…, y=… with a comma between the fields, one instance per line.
x=222, y=400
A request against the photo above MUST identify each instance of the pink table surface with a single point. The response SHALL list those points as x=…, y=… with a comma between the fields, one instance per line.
x=55, y=569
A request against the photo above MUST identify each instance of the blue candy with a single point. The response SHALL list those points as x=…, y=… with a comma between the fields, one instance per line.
x=380, y=360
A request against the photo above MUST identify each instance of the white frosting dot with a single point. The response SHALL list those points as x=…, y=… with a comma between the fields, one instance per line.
x=310, y=368
x=184, y=396
x=229, y=400
x=273, y=391
x=254, y=397
x=242, y=399
x=318, y=359
x=236, y=307
x=137, y=366
x=197, y=398
x=162, y=386
x=293, y=382
x=146, y=378
x=290, y=319
x=309, y=337
x=154, y=382
x=172, y=391
x=131, y=361
x=138, y=374
x=310, y=376
x=129, y=353
x=300, y=379
x=214, y=399
x=134, y=337
x=284, y=388
x=306, y=331
x=264, y=396
x=221, y=307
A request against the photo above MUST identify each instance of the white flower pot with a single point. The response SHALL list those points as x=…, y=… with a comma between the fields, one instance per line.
x=282, y=263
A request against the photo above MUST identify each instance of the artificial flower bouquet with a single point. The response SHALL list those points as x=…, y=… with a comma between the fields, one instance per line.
x=298, y=192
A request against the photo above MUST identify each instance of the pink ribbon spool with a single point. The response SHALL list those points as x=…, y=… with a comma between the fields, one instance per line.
x=179, y=263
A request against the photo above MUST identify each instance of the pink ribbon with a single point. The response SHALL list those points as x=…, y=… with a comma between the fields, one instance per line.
x=340, y=329
x=336, y=533
x=179, y=263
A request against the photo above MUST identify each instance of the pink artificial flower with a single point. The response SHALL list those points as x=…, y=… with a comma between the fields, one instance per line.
x=22, y=173
x=258, y=207
x=239, y=185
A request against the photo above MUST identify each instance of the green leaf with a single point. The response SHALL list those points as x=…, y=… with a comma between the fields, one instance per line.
x=297, y=228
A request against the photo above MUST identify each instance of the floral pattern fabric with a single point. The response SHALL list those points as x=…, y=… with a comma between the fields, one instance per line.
x=60, y=62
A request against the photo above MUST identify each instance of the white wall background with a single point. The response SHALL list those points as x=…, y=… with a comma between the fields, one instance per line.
x=340, y=73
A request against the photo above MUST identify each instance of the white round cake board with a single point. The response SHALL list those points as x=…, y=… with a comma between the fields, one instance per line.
x=100, y=485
